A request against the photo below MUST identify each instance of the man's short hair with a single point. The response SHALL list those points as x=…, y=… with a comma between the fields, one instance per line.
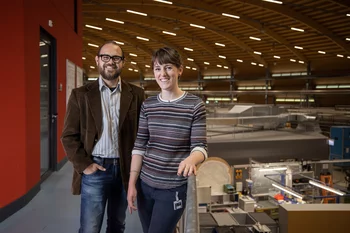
x=110, y=42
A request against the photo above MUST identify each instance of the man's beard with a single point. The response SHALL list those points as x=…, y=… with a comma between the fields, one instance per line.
x=110, y=75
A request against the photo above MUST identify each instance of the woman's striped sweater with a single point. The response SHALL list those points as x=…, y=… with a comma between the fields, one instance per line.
x=168, y=132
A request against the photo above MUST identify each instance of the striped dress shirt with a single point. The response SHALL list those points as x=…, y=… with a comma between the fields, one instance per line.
x=107, y=146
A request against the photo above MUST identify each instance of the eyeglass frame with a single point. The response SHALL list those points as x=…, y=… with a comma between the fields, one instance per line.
x=111, y=57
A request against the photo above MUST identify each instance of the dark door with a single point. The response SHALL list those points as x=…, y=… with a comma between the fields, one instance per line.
x=48, y=106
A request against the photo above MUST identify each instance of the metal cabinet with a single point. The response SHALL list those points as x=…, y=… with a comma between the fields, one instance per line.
x=340, y=146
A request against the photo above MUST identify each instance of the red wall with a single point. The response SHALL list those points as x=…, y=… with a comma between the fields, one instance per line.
x=12, y=123
x=20, y=89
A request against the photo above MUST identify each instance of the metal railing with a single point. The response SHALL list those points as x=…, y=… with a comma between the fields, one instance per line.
x=189, y=222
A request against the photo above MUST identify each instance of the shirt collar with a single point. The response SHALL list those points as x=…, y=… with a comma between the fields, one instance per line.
x=102, y=84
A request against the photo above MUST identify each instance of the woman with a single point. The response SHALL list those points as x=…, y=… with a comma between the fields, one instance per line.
x=171, y=141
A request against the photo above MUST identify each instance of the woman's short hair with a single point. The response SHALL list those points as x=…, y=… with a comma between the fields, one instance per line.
x=167, y=55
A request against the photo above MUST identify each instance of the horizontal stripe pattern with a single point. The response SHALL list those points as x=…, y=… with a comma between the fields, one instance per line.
x=168, y=132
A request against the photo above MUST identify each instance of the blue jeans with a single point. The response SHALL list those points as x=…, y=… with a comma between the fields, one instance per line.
x=97, y=189
x=159, y=209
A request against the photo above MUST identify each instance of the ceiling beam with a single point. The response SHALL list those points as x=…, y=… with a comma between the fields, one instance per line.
x=209, y=26
x=135, y=19
x=148, y=34
x=155, y=11
x=212, y=9
x=255, y=25
x=287, y=11
x=126, y=39
x=88, y=53
x=345, y=3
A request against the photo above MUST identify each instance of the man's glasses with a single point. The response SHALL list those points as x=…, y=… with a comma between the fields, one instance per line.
x=107, y=58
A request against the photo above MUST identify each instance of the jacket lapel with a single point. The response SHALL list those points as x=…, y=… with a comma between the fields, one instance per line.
x=94, y=102
x=125, y=101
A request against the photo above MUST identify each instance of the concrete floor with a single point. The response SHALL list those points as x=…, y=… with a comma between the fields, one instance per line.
x=55, y=210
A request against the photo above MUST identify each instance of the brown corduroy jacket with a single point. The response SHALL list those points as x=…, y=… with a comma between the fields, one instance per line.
x=83, y=127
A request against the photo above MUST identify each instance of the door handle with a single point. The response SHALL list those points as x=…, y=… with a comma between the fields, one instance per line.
x=53, y=118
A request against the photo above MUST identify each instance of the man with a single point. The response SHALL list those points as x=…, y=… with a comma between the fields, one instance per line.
x=99, y=132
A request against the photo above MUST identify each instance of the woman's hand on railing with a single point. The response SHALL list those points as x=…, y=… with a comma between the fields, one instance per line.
x=132, y=194
x=187, y=167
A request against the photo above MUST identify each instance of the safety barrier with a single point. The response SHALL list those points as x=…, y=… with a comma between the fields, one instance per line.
x=189, y=222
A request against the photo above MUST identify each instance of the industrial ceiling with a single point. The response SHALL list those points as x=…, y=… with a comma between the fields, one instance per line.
x=227, y=44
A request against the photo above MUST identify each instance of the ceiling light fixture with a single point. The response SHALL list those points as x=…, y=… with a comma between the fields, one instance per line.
x=295, y=194
x=133, y=54
x=93, y=27
x=147, y=66
x=219, y=66
x=322, y=52
x=136, y=70
x=134, y=63
x=93, y=45
x=84, y=58
x=348, y=15
x=298, y=47
x=278, y=57
x=297, y=29
x=187, y=67
x=114, y=20
x=257, y=52
x=261, y=65
x=136, y=12
x=207, y=63
x=142, y=38
x=130, y=69
x=225, y=67
x=218, y=44
x=239, y=60
x=253, y=63
x=348, y=39
x=223, y=57
x=326, y=188
x=301, y=62
x=169, y=33
x=118, y=42
x=340, y=55
x=293, y=60
x=188, y=49
x=232, y=16
x=197, y=26
x=273, y=1
x=194, y=68
x=162, y=1
x=254, y=38
x=92, y=67
x=190, y=59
